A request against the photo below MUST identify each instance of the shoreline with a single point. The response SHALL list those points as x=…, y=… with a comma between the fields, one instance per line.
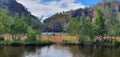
x=47, y=44
x=30, y=44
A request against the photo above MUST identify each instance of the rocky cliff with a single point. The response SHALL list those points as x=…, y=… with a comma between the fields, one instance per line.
x=55, y=23
x=14, y=7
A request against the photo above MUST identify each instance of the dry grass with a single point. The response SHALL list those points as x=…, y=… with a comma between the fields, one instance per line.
x=61, y=38
x=9, y=37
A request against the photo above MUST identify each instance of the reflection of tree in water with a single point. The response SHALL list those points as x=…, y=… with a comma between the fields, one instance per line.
x=59, y=51
x=9, y=51
x=87, y=51
x=79, y=51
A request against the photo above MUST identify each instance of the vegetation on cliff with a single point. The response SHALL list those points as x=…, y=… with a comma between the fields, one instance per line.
x=103, y=30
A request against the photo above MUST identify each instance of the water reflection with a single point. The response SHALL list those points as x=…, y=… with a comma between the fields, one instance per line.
x=59, y=51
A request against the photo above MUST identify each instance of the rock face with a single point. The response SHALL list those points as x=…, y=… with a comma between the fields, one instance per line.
x=55, y=23
x=14, y=7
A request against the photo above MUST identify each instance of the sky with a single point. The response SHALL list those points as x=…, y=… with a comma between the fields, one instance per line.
x=46, y=8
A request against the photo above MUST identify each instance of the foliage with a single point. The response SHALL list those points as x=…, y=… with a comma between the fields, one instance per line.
x=68, y=40
x=73, y=25
x=31, y=34
x=105, y=23
x=99, y=24
x=82, y=28
x=46, y=41
x=19, y=25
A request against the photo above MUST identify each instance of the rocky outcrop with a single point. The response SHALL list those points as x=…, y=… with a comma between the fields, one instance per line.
x=55, y=23
x=14, y=7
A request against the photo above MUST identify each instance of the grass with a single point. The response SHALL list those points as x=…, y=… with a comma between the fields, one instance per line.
x=61, y=39
x=42, y=41
x=46, y=41
x=69, y=40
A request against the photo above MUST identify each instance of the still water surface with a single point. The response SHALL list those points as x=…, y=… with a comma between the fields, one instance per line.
x=59, y=51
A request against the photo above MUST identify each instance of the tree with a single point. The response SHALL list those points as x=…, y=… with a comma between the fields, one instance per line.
x=28, y=19
x=99, y=24
x=5, y=20
x=112, y=20
x=66, y=28
x=31, y=34
x=17, y=26
x=1, y=28
x=83, y=28
x=86, y=29
x=73, y=25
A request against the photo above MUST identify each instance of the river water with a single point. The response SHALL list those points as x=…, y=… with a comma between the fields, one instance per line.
x=59, y=51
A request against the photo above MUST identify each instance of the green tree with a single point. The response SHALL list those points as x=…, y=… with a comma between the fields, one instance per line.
x=66, y=28
x=86, y=30
x=73, y=25
x=83, y=28
x=5, y=20
x=28, y=19
x=99, y=24
x=31, y=34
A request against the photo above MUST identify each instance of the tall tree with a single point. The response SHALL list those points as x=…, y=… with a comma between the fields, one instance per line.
x=73, y=25
x=99, y=23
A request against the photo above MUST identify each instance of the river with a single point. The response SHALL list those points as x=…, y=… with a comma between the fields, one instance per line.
x=59, y=51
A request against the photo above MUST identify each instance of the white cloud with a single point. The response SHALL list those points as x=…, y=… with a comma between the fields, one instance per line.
x=39, y=9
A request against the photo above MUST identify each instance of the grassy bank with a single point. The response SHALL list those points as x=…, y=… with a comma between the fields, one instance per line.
x=61, y=39
x=42, y=41
x=95, y=42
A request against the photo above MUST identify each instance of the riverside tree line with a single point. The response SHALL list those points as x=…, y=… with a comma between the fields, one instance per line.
x=106, y=24
x=16, y=25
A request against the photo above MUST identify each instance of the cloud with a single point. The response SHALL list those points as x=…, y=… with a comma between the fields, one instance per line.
x=47, y=8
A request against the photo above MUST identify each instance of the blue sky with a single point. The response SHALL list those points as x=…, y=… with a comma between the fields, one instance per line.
x=46, y=8
x=89, y=2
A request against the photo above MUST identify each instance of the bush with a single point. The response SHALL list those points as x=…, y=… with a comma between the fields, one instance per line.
x=17, y=43
x=7, y=41
x=68, y=40
x=31, y=35
x=83, y=39
x=1, y=39
x=46, y=41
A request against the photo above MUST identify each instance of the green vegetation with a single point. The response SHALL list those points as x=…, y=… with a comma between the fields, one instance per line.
x=21, y=30
x=82, y=28
x=46, y=41
x=102, y=30
x=69, y=40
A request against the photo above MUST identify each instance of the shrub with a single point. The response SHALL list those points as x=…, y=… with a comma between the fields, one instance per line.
x=7, y=41
x=83, y=39
x=68, y=40
x=1, y=39
x=46, y=41
x=31, y=35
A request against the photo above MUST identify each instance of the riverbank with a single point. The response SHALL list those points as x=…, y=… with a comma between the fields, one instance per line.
x=40, y=42
x=52, y=43
x=60, y=39
x=26, y=44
